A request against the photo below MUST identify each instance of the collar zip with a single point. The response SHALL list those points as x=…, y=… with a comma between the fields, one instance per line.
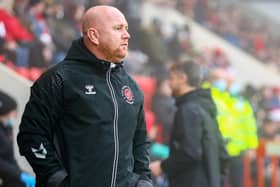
x=109, y=65
x=112, y=65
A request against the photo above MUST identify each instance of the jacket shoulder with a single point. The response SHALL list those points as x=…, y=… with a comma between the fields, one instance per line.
x=191, y=107
x=52, y=77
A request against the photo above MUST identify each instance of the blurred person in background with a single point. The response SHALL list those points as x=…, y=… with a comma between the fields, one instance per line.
x=274, y=101
x=84, y=124
x=153, y=44
x=163, y=107
x=4, y=53
x=197, y=153
x=269, y=129
x=245, y=121
x=10, y=173
x=64, y=18
x=42, y=51
x=16, y=36
x=236, y=122
x=269, y=132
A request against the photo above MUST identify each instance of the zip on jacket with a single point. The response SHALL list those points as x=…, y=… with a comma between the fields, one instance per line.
x=116, y=139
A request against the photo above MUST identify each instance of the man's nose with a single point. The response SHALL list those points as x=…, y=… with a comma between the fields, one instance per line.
x=126, y=34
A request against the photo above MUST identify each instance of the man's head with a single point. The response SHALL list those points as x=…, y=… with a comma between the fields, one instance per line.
x=105, y=33
x=8, y=107
x=184, y=77
x=218, y=78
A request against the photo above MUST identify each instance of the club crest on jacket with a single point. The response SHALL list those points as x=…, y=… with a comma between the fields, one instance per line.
x=127, y=94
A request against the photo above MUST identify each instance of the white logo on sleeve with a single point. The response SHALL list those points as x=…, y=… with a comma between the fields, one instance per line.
x=90, y=90
x=41, y=152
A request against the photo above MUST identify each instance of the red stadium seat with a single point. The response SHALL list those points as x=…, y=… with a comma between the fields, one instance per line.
x=35, y=73
x=148, y=86
x=150, y=120
x=23, y=71
x=7, y=62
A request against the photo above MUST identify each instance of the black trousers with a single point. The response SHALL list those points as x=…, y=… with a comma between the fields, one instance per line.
x=12, y=183
x=236, y=171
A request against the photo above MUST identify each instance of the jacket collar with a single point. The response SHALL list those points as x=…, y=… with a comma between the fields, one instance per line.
x=192, y=95
x=79, y=52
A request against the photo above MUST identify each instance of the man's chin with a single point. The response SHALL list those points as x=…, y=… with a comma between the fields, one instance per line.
x=122, y=56
x=175, y=94
x=119, y=59
x=119, y=56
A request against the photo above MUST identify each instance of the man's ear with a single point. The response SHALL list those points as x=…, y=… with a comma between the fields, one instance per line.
x=93, y=35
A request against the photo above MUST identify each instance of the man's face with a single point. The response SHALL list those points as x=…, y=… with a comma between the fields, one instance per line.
x=175, y=82
x=113, y=40
x=8, y=119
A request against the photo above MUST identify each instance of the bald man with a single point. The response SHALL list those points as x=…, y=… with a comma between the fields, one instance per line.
x=84, y=124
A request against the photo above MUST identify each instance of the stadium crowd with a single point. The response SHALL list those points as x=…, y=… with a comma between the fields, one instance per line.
x=239, y=27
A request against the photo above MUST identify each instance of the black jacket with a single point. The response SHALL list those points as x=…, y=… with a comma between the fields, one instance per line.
x=197, y=148
x=9, y=170
x=85, y=120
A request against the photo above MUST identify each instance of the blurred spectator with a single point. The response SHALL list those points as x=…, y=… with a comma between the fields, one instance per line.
x=274, y=115
x=131, y=9
x=197, y=151
x=42, y=52
x=65, y=20
x=200, y=11
x=19, y=8
x=269, y=132
x=269, y=99
x=163, y=107
x=4, y=53
x=236, y=122
x=173, y=43
x=10, y=172
x=153, y=44
x=17, y=37
x=240, y=29
x=219, y=59
x=38, y=21
x=185, y=45
x=269, y=129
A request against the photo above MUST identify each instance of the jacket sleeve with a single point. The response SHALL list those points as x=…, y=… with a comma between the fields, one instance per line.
x=223, y=154
x=187, y=148
x=140, y=148
x=36, y=132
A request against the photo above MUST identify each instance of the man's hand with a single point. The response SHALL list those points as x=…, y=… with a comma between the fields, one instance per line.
x=156, y=168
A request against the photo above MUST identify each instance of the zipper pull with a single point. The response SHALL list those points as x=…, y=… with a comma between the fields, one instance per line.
x=112, y=65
